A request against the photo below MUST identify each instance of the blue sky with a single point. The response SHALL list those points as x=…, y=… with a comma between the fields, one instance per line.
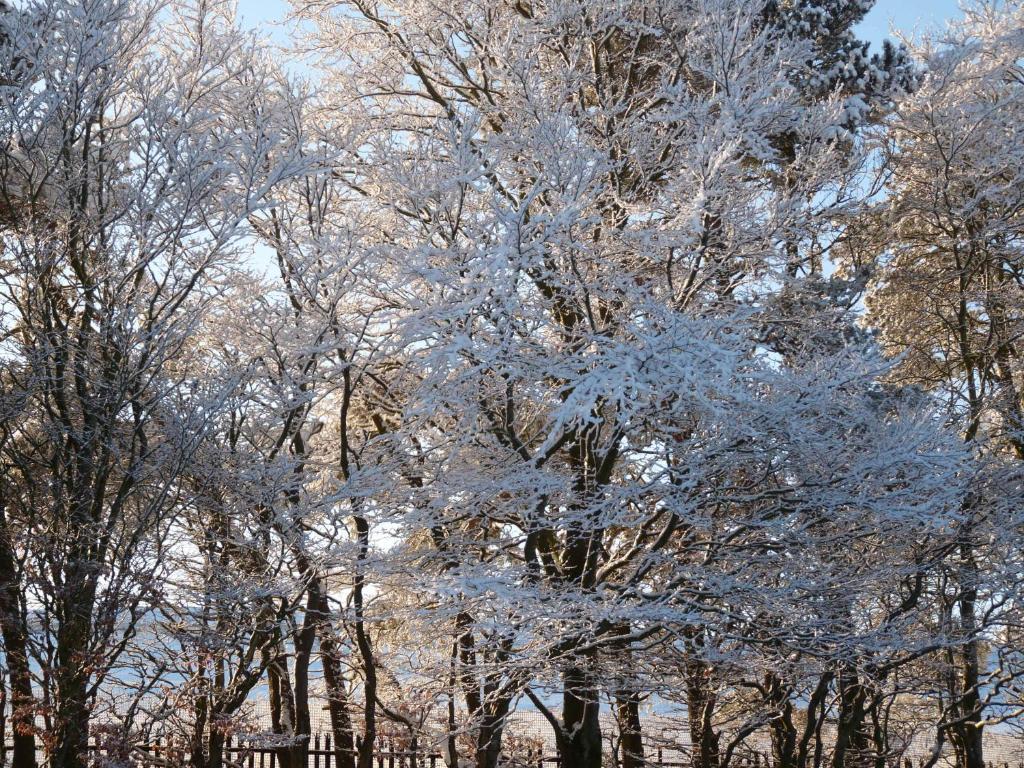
x=905, y=14
x=908, y=15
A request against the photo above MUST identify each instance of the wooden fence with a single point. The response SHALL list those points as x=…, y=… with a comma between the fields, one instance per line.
x=245, y=754
x=248, y=754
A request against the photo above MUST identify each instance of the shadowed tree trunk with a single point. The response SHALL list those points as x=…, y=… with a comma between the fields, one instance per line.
x=627, y=713
x=365, y=745
x=15, y=635
x=700, y=706
x=851, y=747
x=814, y=718
x=968, y=734
x=580, y=742
x=783, y=731
x=337, y=697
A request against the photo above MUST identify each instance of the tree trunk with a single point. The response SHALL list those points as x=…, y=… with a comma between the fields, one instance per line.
x=851, y=742
x=816, y=709
x=487, y=701
x=15, y=635
x=580, y=746
x=337, y=698
x=3, y=716
x=197, y=751
x=451, y=742
x=631, y=743
x=71, y=720
x=879, y=731
x=488, y=741
x=71, y=723
x=781, y=727
x=302, y=727
x=364, y=746
x=282, y=703
x=215, y=747
x=969, y=733
x=700, y=707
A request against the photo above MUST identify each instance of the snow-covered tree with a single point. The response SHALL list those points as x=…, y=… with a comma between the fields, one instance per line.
x=589, y=210
x=128, y=167
x=520, y=357
x=946, y=294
